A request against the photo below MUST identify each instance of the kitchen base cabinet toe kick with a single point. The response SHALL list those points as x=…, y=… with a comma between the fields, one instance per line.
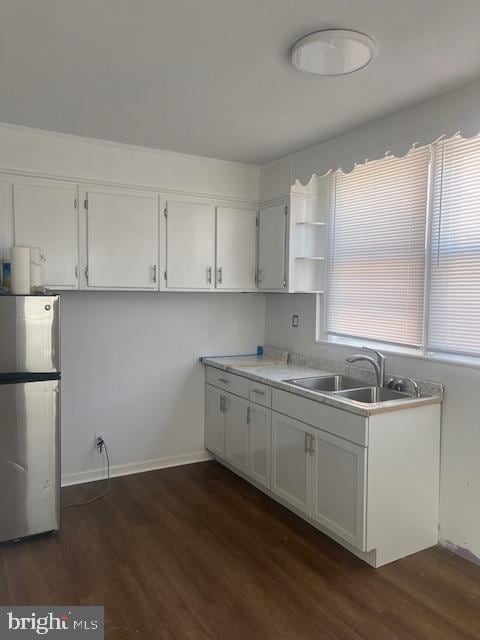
x=369, y=483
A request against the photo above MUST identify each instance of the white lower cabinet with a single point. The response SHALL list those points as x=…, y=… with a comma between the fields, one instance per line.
x=239, y=431
x=321, y=475
x=236, y=431
x=339, y=487
x=214, y=421
x=291, y=462
x=260, y=438
x=370, y=482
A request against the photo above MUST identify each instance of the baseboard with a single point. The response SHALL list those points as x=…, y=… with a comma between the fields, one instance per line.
x=460, y=551
x=134, y=467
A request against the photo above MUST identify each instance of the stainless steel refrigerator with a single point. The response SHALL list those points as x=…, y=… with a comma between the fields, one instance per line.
x=29, y=415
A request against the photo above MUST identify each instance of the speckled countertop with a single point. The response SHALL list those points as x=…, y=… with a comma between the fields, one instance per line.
x=276, y=367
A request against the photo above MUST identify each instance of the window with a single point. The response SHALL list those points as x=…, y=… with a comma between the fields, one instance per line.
x=454, y=301
x=404, y=250
x=377, y=250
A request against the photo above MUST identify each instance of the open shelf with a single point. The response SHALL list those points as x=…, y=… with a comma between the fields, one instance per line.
x=309, y=208
x=310, y=241
x=309, y=275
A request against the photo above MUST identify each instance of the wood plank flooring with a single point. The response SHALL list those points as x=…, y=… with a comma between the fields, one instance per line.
x=196, y=553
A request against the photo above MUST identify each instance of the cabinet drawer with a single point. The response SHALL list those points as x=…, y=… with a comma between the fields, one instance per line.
x=260, y=393
x=228, y=381
x=341, y=423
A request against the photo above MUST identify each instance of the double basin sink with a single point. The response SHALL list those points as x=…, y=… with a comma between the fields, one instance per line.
x=349, y=389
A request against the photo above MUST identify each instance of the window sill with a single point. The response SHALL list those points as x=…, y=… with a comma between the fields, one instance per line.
x=405, y=352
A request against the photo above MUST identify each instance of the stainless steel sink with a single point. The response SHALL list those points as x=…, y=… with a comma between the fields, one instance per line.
x=373, y=394
x=328, y=384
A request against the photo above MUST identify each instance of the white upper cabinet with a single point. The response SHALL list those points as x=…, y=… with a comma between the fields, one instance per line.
x=122, y=239
x=272, y=248
x=6, y=220
x=45, y=215
x=236, y=248
x=189, y=245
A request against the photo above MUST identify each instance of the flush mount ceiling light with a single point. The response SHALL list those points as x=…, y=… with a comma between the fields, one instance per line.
x=333, y=52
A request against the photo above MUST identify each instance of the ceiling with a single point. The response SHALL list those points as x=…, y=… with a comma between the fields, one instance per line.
x=213, y=77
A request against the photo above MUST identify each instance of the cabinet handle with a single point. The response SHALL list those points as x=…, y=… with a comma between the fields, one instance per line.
x=154, y=273
x=312, y=445
x=285, y=249
x=209, y=275
x=260, y=393
x=259, y=276
x=224, y=381
x=306, y=442
x=219, y=277
x=249, y=415
x=223, y=404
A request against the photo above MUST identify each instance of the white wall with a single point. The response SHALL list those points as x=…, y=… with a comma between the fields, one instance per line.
x=130, y=369
x=130, y=360
x=422, y=124
x=460, y=465
x=82, y=159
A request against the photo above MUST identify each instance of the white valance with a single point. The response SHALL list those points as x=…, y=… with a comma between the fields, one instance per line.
x=454, y=113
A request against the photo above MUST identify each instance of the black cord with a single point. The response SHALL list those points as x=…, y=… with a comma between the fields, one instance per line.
x=100, y=444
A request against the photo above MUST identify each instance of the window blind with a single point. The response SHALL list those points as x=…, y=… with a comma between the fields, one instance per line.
x=454, y=300
x=377, y=250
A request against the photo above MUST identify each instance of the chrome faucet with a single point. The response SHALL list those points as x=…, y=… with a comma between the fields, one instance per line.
x=378, y=364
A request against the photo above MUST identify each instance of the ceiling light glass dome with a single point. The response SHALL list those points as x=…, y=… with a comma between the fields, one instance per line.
x=333, y=52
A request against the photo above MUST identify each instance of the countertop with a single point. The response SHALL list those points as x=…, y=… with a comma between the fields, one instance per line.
x=269, y=370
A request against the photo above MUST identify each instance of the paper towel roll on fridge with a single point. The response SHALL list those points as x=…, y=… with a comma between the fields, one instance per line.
x=36, y=283
x=20, y=278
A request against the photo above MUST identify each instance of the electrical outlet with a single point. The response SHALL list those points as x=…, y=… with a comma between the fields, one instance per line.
x=99, y=437
x=295, y=321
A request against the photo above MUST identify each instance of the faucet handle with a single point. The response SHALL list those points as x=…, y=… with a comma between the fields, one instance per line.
x=379, y=355
x=398, y=384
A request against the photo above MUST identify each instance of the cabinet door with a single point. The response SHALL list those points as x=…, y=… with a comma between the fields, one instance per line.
x=272, y=240
x=291, y=461
x=236, y=431
x=236, y=248
x=190, y=234
x=260, y=443
x=45, y=216
x=6, y=220
x=339, y=487
x=214, y=421
x=122, y=240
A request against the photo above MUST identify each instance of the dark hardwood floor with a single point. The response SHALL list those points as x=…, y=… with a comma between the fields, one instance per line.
x=195, y=553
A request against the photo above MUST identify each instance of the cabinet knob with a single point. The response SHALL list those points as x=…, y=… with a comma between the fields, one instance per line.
x=209, y=275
